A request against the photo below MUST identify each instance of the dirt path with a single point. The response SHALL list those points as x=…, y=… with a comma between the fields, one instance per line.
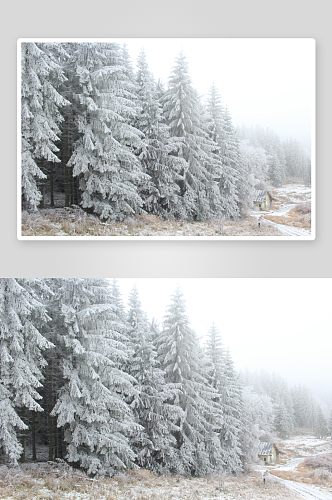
x=306, y=491
x=287, y=230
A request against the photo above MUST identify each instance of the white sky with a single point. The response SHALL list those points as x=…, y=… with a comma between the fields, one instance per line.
x=265, y=81
x=281, y=325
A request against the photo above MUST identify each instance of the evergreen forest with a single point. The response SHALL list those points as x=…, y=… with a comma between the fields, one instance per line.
x=96, y=383
x=113, y=140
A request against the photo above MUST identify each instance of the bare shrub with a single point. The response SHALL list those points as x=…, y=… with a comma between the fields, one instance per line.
x=123, y=478
x=304, y=208
x=320, y=462
x=131, y=222
x=147, y=219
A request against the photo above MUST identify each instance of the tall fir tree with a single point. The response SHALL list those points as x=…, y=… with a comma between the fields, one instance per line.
x=40, y=116
x=282, y=421
x=91, y=407
x=233, y=428
x=222, y=133
x=179, y=356
x=104, y=157
x=159, y=151
x=22, y=317
x=182, y=110
x=153, y=406
x=321, y=426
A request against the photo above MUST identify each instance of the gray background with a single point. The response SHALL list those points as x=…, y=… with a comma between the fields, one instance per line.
x=165, y=18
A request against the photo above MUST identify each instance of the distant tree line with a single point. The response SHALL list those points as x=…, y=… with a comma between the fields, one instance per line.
x=118, y=143
x=100, y=386
x=290, y=409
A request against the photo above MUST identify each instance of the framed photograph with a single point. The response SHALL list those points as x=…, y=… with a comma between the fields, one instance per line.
x=140, y=386
x=166, y=138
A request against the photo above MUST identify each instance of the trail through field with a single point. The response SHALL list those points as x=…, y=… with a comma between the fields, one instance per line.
x=306, y=491
x=287, y=230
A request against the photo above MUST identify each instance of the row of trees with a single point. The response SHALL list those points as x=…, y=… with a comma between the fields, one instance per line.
x=119, y=143
x=275, y=160
x=108, y=390
x=289, y=408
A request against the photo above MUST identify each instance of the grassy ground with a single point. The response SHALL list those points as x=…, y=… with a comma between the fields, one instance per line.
x=57, y=481
x=75, y=222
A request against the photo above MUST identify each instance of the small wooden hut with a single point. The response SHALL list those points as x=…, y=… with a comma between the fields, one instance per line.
x=269, y=453
x=262, y=199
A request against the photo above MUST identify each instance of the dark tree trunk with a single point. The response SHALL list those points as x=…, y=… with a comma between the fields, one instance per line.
x=42, y=201
x=22, y=459
x=66, y=161
x=33, y=429
x=52, y=185
x=50, y=422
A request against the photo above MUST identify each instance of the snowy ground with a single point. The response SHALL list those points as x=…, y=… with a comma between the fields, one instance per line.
x=57, y=482
x=303, y=446
x=309, y=492
x=281, y=221
x=288, y=230
x=72, y=221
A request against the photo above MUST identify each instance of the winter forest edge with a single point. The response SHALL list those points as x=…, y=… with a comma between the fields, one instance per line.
x=107, y=390
x=117, y=143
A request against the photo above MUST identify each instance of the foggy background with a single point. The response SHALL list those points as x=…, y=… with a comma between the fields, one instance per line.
x=278, y=325
x=264, y=81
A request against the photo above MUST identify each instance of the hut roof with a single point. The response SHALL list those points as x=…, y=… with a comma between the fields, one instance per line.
x=265, y=449
x=260, y=195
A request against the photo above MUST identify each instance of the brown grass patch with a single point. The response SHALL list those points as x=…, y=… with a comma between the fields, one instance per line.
x=294, y=218
x=55, y=481
x=309, y=474
x=75, y=222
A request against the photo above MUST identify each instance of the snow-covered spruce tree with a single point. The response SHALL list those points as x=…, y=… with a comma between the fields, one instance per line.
x=121, y=324
x=304, y=407
x=221, y=131
x=282, y=421
x=69, y=89
x=330, y=425
x=259, y=412
x=214, y=366
x=104, y=157
x=182, y=111
x=155, y=446
x=295, y=159
x=159, y=151
x=41, y=75
x=321, y=426
x=215, y=355
x=22, y=317
x=307, y=172
x=232, y=431
x=210, y=203
x=91, y=406
x=276, y=171
x=233, y=171
x=179, y=356
x=254, y=161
